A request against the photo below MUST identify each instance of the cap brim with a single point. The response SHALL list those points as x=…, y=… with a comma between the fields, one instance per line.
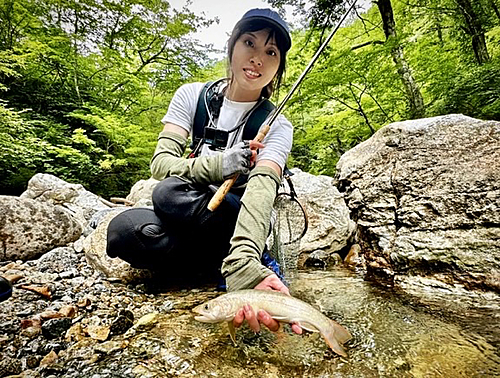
x=276, y=26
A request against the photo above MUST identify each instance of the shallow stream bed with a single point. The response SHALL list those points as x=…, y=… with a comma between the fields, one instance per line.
x=393, y=336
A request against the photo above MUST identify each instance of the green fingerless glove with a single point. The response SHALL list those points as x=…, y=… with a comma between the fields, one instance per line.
x=168, y=161
x=242, y=268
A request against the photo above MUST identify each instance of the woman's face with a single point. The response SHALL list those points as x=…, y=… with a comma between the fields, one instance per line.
x=254, y=64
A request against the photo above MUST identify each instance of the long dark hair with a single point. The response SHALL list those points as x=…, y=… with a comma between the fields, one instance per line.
x=248, y=26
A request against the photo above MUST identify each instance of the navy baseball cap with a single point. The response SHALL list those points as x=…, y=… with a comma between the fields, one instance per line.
x=274, y=19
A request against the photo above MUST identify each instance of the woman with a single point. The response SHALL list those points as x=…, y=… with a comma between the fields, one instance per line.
x=257, y=53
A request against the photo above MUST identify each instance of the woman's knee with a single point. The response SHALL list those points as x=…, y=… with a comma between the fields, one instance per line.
x=138, y=237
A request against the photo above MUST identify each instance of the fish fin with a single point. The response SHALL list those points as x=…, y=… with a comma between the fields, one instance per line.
x=307, y=326
x=334, y=344
x=340, y=333
x=279, y=318
x=232, y=332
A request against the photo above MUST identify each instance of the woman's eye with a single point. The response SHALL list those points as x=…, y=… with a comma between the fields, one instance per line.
x=249, y=43
x=272, y=53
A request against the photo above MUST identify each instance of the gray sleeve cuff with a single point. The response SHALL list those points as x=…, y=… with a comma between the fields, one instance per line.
x=207, y=169
x=245, y=274
x=266, y=171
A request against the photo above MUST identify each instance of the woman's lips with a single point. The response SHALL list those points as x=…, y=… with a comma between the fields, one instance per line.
x=251, y=74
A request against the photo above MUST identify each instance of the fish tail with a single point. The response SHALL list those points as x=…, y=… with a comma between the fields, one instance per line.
x=335, y=336
x=334, y=344
x=341, y=334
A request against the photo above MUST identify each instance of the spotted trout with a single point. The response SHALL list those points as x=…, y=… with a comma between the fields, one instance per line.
x=281, y=307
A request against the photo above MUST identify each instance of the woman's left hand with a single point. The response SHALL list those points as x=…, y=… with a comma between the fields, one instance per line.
x=239, y=158
x=254, y=147
x=271, y=282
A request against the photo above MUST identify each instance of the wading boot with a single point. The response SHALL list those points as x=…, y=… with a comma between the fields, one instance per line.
x=5, y=289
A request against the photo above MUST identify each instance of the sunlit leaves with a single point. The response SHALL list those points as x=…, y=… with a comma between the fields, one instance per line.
x=355, y=89
x=97, y=76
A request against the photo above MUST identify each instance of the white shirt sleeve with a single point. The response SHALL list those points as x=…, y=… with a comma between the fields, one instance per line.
x=278, y=142
x=182, y=107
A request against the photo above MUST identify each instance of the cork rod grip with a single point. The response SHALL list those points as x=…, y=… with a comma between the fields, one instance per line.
x=228, y=184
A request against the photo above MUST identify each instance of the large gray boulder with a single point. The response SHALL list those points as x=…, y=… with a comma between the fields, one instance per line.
x=426, y=198
x=78, y=201
x=30, y=228
x=330, y=227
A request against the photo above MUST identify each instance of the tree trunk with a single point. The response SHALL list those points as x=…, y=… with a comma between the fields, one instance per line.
x=495, y=8
x=475, y=29
x=415, y=100
x=439, y=28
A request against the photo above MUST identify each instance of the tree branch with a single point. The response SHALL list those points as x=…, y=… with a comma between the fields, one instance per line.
x=366, y=44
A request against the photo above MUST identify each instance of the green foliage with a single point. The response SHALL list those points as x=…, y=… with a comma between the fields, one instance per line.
x=122, y=142
x=116, y=158
x=354, y=88
x=83, y=85
x=351, y=92
x=96, y=78
x=476, y=92
x=20, y=151
x=23, y=153
x=8, y=65
x=120, y=150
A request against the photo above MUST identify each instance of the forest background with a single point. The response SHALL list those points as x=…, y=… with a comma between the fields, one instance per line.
x=84, y=83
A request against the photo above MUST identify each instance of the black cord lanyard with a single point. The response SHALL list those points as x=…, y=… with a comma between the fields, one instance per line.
x=211, y=119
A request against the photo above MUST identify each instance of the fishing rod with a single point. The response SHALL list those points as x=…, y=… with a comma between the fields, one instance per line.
x=228, y=184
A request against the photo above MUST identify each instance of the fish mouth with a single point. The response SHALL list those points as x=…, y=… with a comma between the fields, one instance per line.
x=205, y=319
x=201, y=316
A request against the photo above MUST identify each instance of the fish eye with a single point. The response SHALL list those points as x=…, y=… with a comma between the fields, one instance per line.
x=206, y=307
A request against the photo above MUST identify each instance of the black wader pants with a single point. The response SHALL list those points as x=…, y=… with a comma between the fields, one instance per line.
x=179, y=235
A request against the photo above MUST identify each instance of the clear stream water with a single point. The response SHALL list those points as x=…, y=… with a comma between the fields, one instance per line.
x=393, y=336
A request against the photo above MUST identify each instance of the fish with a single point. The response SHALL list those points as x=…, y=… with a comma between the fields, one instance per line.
x=281, y=307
